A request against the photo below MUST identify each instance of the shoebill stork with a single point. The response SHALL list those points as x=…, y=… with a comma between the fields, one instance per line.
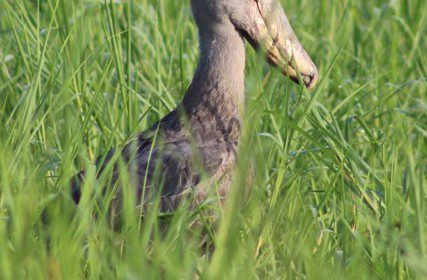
x=199, y=138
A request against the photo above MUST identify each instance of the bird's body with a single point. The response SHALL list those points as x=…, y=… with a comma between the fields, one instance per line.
x=176, y=154
x=199, y=139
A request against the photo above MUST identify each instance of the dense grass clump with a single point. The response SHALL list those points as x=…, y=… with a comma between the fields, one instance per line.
x=340, y=173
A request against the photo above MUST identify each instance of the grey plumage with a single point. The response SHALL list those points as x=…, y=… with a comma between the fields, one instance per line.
x=200, y=137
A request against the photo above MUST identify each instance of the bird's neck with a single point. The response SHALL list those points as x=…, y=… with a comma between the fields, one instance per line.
x=219, y=79
x=216, y=94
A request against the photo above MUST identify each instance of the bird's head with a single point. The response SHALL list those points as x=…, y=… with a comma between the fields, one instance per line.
x=265, y=25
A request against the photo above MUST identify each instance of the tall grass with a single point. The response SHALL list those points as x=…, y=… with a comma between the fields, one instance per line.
x=340, y=173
